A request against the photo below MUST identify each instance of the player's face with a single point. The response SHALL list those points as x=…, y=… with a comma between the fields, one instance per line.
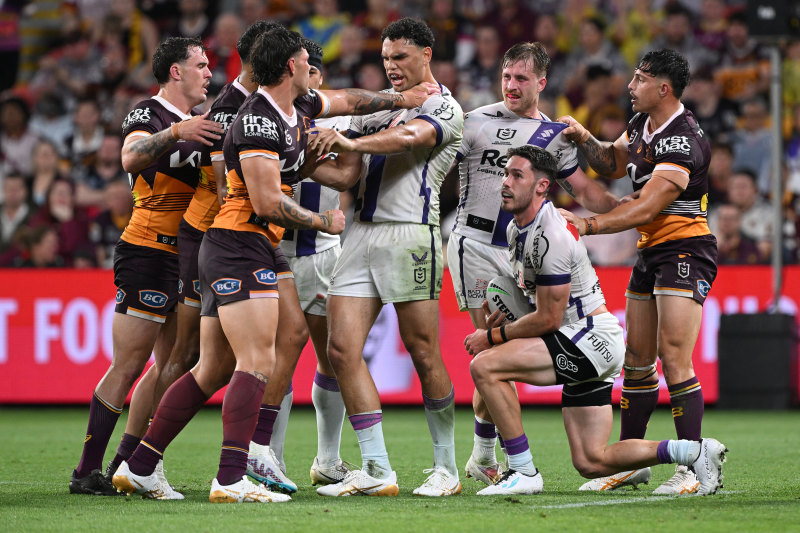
x=521, y=87
x=301, y=71
x=518, y=185
x=195, y=76
x=314, y=78
x=644, y=90
x=405, y=63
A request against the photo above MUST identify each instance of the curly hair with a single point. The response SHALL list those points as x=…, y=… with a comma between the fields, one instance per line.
x=413, y=30
x=668, y=64
x=172, y=50
x=271, y=53
x=539, y=158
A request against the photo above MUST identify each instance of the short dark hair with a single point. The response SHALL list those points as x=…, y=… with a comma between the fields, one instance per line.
x=748, y=173
x=248, y=38
x=668, y=64
x=272, y=52
x=534, y=53
x=413, y=30
x=172, y=50
x=539, y=158
x=314, y=53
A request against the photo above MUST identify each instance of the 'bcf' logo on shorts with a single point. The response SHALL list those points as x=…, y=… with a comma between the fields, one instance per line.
x=703, y=287
x=120, y=296
x=180, y=286
x=266, y=276
x=196, y=284
x=226, y=286
x=153, y=298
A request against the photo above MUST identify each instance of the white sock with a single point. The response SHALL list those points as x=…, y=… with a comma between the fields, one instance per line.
x=330, y=417
x=441, y=423
x=522, y=463
x=483, y=448
x=278, y=439
x=683, y=452
x=374, y=457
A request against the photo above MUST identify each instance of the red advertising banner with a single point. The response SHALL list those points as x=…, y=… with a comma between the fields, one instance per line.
x=55, y=336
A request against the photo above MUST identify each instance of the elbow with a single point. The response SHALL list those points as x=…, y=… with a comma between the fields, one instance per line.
x=129, y=164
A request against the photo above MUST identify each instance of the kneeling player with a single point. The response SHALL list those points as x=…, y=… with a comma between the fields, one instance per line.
x=569, y=339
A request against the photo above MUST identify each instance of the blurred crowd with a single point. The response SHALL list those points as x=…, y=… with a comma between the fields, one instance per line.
x=72, y=70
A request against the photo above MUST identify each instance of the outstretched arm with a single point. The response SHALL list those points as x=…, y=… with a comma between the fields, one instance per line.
x=363, y=102
x=608, y=159
x=416, y=133
x=588, y=192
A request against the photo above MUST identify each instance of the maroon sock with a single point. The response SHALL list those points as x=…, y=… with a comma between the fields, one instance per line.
x=178, y=405
x=124, y=451
x=102, y=419
x=687, y=408
x=239, y=417
x=638, y=401
x=266, y=421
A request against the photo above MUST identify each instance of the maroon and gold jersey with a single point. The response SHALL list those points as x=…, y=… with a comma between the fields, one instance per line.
x=679, y=145
x=205, y=204
x=162, y=191
x=262, y=129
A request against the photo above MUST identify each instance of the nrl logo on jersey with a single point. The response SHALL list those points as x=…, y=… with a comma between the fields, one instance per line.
x=675, y=144
x=256, y=125
x=505, y=134
x=137, y=115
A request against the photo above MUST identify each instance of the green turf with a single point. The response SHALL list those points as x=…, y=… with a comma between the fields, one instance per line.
x=41, y=446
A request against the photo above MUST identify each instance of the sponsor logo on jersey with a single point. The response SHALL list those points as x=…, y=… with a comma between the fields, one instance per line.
x=266, y=276
x=496, y=115
x=540, y=248
x=634, y=134
x=703, y=287
x=546, y=134
x=226, y=286
x=155, y=299
x=390, y=124
x=120, y=296
x=225, y=119
x=259, y=126
x=141, y=114
x=563, y=363
x=196, y=285
x=683, y=269
x=505, y=134
x=494, y=158
x=676, y=144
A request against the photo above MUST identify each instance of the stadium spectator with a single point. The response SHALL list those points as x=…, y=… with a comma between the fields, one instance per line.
x=341, y=72
x=70, y=222
x=743, y=69
x=50, y=121
x=223, y=60
x=324, y=26
x=91, y=181
x=72, y=70
x=87, y=136
x=39, y=247
x=454, y=33
x=717, y=114
x=378, y=15
x=106, y=228
x=546, y=31
x=756, y=213
x=138, y=35
x=15, y=210
x=711, y=29
x=9, y=42
x=192, y=21
x=513, y=21
x=677, y=35
x=752, y=144
x=479, y=80
x=41, y=25
x=635, y=24
x=46, y=169
x=16, y=138
x=370, y=76
x=735, y=248
x=719, y=172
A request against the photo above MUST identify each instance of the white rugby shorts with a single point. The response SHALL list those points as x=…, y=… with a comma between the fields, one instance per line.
x=472, y=266
x=312, y=274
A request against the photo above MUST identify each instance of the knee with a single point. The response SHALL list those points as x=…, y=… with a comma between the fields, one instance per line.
x=588, y=468
x=126, y=374
x=336, y=353
x=479, y=370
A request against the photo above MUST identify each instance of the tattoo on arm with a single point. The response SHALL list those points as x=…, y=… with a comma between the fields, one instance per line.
x=291, y=215
x=600, y=155
x=154, y=146
x=567, y=186
x=366, y=102
x=261, y=376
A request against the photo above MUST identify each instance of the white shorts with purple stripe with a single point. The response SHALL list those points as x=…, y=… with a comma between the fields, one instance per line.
x=472, y=265
x=601, y=345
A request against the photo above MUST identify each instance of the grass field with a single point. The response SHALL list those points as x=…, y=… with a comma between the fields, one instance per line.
x=41, y=446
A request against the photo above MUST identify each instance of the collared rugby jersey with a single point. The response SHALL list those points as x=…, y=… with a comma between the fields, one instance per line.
x=404, y=187
x=489, y=132
x=262, y=129
x=548, y=251
x=678, y=145
x=163, y=190
x=205, y=203
x=315, y=197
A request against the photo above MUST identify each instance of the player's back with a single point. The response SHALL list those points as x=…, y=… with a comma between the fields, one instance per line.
x=489, y=132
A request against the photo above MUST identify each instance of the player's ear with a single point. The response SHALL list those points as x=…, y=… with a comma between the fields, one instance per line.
x=290, y=66
x=175, y=71
x=664, y=90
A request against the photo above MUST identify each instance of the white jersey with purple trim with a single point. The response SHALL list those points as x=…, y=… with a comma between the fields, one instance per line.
x=548, y=251
x=318, y=198
x=404, y=187
x=489, y=132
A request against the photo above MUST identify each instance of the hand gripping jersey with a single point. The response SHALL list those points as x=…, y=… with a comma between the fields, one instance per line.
x=548, y=251
x=162, y=191
x=205, y=204
x=315, y=197
x=489, y=132
x=678, y=145
x=404, y=187
x=262, y=129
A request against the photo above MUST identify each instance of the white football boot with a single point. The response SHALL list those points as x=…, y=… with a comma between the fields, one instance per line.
x=244, y=491
x=708, y=466
x=149, y=487
x=513, y=482
x=629, y=478
x=684, y=481
x=440, y=482
x=328, y=474
x=487, y=474
x=263, y=466
x=359, y=483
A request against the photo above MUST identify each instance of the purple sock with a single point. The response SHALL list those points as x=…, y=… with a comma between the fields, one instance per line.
x=365, y=420
x=326, y=382
x=639, y=399
x=485, y=430
x=663, y=452
x=239, y=418
x=178, y=405
x=102, y=419
x=266, y=421
x=517, y=445
x=125, y=449
x=687, y=408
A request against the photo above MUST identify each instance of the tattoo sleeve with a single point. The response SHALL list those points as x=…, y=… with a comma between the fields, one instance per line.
x=291, y=215
x=366, y=102
x=566, y=186
x=600, y=155
x=153, y=146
